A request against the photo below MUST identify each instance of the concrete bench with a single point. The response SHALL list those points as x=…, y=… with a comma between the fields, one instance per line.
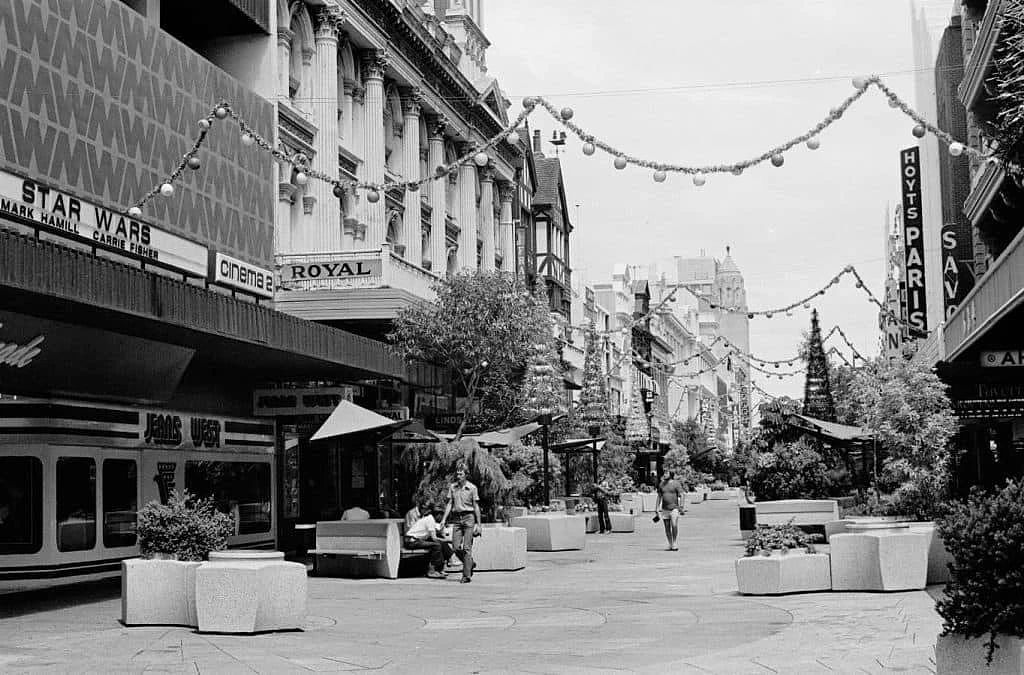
x=620, y=522
x=879, y=557
x=801, y=512
x=250, y=592
x=500, y=548
x=553, y=532
x=360, y=548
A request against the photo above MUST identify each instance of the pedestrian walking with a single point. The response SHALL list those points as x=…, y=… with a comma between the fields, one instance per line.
x=604, y=522
x=463, y=505
x=670, y=500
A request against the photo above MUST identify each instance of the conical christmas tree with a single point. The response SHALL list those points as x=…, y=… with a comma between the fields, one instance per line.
x=818, y=400
x=543, y=387
x=593, y=403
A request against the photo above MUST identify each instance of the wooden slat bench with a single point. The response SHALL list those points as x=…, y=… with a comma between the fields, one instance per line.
x=360, y=548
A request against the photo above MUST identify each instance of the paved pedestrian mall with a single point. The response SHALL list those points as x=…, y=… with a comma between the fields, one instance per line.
x=623, y=604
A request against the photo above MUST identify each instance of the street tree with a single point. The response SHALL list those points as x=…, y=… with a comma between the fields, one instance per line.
x=481, y=325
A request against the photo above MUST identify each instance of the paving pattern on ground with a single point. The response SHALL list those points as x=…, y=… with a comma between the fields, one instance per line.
x=624, y=604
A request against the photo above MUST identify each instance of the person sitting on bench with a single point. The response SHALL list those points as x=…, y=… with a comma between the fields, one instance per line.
x=355, y=513
x=425, y=534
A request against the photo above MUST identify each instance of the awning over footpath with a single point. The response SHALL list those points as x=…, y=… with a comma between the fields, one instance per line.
x=499, y=437
x=831, y=430
x=579, y=445
x=349, y=418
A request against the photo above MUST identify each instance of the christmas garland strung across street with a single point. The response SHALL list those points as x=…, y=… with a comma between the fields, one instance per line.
x=300, y=162
x=837, y=329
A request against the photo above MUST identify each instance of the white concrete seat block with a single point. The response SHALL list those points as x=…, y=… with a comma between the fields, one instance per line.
x=939, y=557
x=623, y=522
x=883, y=561
x=795, y=572
x=718, y=495
x=694, y=497
x=158, y=592
x=649, y=500
x=553, y=532
x=955, y=655
x=250, y=596
x=799, y=511
x=500, y=548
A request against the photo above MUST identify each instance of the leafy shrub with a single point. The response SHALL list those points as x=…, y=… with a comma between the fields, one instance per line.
x=767, y=537
x=985, y=594
x=440, y=461
x=523, y=465
x=790, y=471
x=186, y=527
x=619, y=484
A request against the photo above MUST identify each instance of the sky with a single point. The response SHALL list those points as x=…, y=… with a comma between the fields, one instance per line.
x=697, y=83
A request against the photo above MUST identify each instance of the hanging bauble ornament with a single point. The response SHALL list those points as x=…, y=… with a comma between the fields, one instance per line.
x=767, y=315
x=789, y=313
x=956, y=149
x=338, y=191
x=373, y=196
x=221, y=112
x=204, y=124
x=860, y=83
x=660, y=176
x=807, y=305
x=699, y=180
x=481, y=159
x=167, y=189
x=776, y=365
x=894, y=103
x=589, y=148
x=813, y=143
x=566, y=114
x=512, y=138
x=134, y=212
x=193, y=163
x=529, y=102
x=750, y=315
x=301, y=178
x=778, y=159
x=412, y=187
x=737, y=170
x=620, y=162
x=836, y=112
x=860, y=284
x=248, y=139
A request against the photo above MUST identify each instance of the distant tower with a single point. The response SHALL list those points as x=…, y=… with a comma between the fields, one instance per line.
x=734, y=326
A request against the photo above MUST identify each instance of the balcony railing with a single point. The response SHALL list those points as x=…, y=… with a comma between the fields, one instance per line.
x=995, y=295
x=977, y=67
x=344, y=270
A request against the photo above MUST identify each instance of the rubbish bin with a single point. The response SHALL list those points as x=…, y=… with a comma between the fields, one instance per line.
x=305, y=538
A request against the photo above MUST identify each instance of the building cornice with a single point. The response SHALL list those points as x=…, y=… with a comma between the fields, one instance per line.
x=979, y=64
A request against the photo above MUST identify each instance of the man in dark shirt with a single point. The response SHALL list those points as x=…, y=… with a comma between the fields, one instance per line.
x=670, y=501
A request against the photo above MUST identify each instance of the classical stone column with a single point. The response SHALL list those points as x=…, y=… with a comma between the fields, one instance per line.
x=436, y=250
x=411, y=230
x=357, y=231
x=506, y=191
x=487, y=218
x=467, y=211
x=284, y=61
x=325, y=234
x=374, y=64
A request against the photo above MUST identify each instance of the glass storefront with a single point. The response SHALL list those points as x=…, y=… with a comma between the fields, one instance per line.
x=21, y=505
x=241, y=489
x=76, y=504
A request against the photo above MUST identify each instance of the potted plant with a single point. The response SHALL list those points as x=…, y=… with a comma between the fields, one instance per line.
x=983, y=606
x=174, y=539
x=769, y=568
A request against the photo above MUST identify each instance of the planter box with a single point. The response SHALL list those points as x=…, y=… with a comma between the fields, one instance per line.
x=553, y=532
x=158, y=592
x=843, y=525
x=795, y=572
x=938, y=557
x=879, y=558
x=955, y=655
x=623, y=522
x=500, y=548
x=250, y=592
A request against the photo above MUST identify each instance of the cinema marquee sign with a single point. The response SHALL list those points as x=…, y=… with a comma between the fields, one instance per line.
x=913, y=238
x=228, y=271
x=34, y=203
x=329, y=270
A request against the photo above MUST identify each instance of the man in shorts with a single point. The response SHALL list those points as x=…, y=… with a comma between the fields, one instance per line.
x=670, y=502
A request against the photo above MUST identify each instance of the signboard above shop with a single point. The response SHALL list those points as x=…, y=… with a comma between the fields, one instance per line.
x=1003, y=358
x=37, y=205
x=240, y=275
x=288, y=402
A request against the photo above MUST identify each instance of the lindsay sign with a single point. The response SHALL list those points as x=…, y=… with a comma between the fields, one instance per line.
x=66, y=215
x=17, y=355
x=326, y=270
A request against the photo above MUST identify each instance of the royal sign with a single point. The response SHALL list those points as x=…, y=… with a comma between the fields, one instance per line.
x=913, y=238
x=234, y=273
x=328, y=270
x=37, y=205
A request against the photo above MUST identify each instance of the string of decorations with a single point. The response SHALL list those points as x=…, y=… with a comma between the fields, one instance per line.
x=856, y=354
x=591, y=143
x=775, y=155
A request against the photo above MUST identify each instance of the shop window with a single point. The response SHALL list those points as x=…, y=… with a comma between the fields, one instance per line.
x=120, y=502
x=76, y=504
x=241, y=489
x=21, y=505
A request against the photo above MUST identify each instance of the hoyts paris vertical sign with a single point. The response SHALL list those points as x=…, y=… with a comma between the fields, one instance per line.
x=913, y=238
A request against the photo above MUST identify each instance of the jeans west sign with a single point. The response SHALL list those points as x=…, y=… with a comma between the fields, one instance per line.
x=34, y=204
